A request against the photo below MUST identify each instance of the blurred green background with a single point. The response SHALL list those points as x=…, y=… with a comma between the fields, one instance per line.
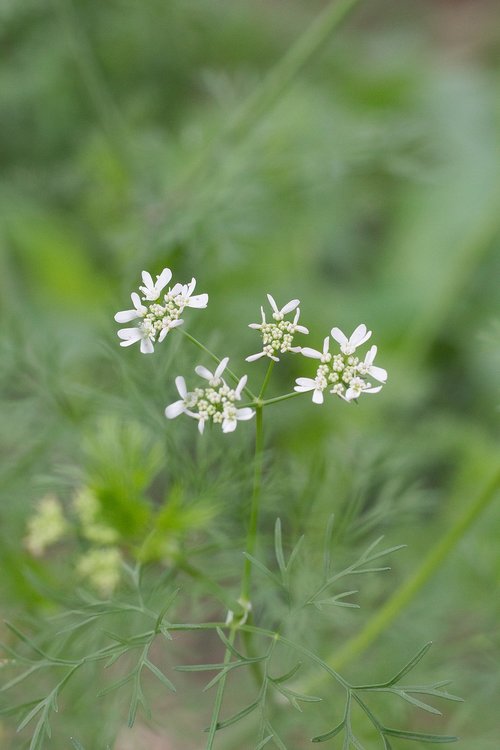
x=369, y=188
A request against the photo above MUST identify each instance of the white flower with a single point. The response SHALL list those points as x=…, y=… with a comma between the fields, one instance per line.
x=357, y=386
x=214, y=379
x=349, y=345
x=324, y=356
x=367, y=367
x=215, y=403
x=178, y=407
x=139, y=311
x=152, y=290
x=277, y=337
x=182, y=295
x=280, y=314
x=343, y=374
x=317, y=385
x=161, y=313
x=143, y=333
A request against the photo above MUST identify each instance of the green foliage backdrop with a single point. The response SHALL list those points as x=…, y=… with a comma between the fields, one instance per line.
x=148, y=134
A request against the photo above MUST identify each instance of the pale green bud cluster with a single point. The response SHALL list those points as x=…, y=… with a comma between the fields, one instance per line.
x=48, y=526
x=102, y=568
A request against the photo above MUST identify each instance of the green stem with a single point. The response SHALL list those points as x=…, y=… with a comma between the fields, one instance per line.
x=272, y=88
x=288, y=68
x=266, y=379
x=217, y=359
x=412, y=586
x=275, y=400
x=255, y=507
x=219, y=696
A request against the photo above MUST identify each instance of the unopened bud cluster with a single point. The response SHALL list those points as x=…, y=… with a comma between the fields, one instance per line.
x=214, y=403
x=277, y=337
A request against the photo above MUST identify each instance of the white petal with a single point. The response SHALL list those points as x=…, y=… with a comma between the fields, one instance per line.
x=163, y=279
x=147, y=346
x=221, y=367
x=372, y=390
x=176, y=323
x=276, y=359
x=245, y=413
x=272, y=303
x=302, y=329
x=351, y=394
x=360, y=335
x=173, y=411
x=253, y=357
x=255, y=325
x=229, y=425
x=180, y=384
x=176, y=289
x=337, y=334
x=130, y=334
x=203, y=372
x=239, y=388
x=163, y=334
x=128, y=343
x=326, y=345
x=295, y=349
x=199, y=300
x=136, y=301
x=125, y=316
x=318, y=396
x=190, y=287
x=370, y=355
x=201, y=426
x=290, y=306
x=147, y=279
x=312, y=353
x=378, y=373
x=304, y=384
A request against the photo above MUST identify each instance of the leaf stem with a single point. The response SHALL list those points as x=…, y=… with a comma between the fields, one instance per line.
x=220, y=694
x=275, y=400
x=217, y=359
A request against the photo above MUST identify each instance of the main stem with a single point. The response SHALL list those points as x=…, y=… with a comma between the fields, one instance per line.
x=257, y=486
x=255, y=507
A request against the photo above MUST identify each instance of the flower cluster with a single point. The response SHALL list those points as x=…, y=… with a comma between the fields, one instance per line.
x=277, y=337
x=344, y=374
x=214, y=403
x=161, y=313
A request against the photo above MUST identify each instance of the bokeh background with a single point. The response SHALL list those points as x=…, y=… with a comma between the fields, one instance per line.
x=368, y=187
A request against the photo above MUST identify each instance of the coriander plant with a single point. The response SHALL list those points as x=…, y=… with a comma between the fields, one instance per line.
x=136, y=601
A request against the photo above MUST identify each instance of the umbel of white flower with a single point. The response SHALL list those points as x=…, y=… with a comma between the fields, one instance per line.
x=214, y=403
x=277, y=336
x=343, y=374
x=157, y=312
